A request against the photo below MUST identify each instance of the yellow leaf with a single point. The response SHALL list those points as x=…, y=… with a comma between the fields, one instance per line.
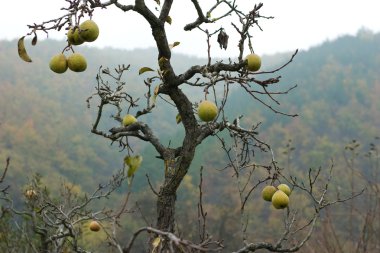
x=133, y=163
x=22, y=51
x=156, y=242
x=144, y=69
x=178, y=118
x=156, y=90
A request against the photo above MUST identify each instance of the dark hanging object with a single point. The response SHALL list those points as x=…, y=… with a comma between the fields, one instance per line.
x=223, y=39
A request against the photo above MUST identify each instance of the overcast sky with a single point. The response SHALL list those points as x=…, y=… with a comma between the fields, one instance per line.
x=297, y=24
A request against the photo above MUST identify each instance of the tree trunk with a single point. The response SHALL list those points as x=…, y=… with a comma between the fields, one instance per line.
x=166, y=203
x=166, y=211
x=167, y=196
x=175, y=170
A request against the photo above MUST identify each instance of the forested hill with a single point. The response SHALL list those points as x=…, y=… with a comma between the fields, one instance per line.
x=336, y=99
x=45, y=123
x=44, y=120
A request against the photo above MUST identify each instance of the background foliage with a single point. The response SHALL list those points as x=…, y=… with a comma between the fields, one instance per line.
x=44, y=127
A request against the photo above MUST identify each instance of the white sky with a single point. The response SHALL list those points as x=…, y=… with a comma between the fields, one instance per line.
x=297, y=24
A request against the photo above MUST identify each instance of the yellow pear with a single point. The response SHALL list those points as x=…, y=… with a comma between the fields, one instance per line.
x=280, y=200
x=285, y=188
x=268, y=192
x=207, y=111
x=94, y=226
x=58, y=63
x=129, y=119
x=253, y=62
x=77, y=62
x=89, y=31
x=73, y=37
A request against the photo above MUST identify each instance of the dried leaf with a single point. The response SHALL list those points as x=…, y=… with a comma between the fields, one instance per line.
x=223, y=39
x=157, y=1
x=22, y=51
x=161, y=62
x=34, y=40
x=144, y=69
x=174, y=44
x=156, y=89
x=153, y=100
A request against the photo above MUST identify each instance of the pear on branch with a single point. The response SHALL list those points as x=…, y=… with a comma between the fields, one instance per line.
x=89, y=31
x=207, y=111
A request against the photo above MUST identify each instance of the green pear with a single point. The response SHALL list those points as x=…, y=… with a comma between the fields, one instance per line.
x=58, y=63
x=253, y=62
x=280, y=200
x=89, y=31
x=268, y=192
x=207, y=111
x=77, y=62
x=73, y=37
x=128, y=120
x=285, y=188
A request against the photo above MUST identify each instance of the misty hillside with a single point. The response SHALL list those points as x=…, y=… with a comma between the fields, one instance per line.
x=45, y=128
x=45, y=123
x=44, y=120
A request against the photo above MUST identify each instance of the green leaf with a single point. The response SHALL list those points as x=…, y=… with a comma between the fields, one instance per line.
x=169, y=20
x=144, y=69
x=133, y=163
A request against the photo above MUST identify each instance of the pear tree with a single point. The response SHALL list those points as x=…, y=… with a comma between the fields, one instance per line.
x=200, y=118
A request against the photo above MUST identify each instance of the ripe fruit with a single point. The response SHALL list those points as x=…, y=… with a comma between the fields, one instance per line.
x=254, y=62
x=207, y=111
x=128, y=120
x=89, y=31
x=73, y=37
x=77, y=62
x=285, y=188
x=268, y=192
x=280, y=200
x=94, y=226
x=58, y=63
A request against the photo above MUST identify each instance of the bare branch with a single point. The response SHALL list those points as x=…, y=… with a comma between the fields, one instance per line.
x=173, y=239
x=4, y=190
